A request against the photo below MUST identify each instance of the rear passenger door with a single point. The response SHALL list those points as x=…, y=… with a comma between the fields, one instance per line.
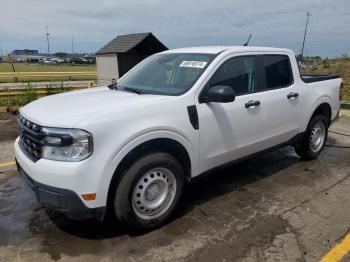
x=281, y=97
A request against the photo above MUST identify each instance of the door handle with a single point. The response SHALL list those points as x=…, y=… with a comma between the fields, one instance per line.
x=252, y=103
x=292, y=95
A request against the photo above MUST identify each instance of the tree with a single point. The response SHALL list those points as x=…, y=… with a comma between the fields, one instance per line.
x=61, y=54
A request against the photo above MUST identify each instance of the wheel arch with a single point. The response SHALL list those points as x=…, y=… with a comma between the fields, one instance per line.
x=167, y=145
x=324, y=108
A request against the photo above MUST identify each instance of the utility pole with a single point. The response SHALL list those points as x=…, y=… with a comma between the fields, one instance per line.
x=307, y=22
x=47, y=39
x=72, y=45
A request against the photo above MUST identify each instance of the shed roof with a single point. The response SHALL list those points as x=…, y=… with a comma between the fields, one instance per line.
x=124, y=43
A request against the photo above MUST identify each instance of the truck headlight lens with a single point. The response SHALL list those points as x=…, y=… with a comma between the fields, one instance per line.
x=70, y=145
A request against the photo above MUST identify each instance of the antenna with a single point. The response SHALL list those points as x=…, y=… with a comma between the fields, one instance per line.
x=307, y=22
x=47, y=39
x=246, y=43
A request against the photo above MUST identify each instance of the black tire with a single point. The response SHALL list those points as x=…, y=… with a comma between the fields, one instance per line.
x=124, y=203
x=304, y=148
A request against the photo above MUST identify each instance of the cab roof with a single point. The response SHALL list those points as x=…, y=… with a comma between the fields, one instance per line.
x=219, y=49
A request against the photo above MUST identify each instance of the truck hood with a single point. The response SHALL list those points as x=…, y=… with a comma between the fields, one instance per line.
x=67, y=109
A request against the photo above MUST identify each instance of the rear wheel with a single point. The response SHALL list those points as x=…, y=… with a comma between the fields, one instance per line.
x=314, y=138
x=149, y=191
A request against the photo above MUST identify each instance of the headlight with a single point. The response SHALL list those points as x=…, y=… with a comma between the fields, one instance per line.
x=70, y=145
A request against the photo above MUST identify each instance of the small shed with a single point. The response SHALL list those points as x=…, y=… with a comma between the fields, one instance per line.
x=123, y=53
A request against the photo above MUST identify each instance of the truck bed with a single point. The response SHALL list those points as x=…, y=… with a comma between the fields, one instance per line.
x=309, y=78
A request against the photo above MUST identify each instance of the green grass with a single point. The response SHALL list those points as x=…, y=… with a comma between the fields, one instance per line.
x=30, y=95
x=346, y=96
x=47, y=68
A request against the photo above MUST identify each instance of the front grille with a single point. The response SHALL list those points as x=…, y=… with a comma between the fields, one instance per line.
x=31, y=138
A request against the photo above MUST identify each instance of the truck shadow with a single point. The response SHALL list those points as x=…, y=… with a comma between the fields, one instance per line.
x=236, y=177
x=201, y=190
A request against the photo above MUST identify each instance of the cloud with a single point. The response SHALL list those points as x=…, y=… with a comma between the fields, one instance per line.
x=177, y=23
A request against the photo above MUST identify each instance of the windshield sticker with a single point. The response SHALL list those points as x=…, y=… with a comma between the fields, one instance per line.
x=196, y=64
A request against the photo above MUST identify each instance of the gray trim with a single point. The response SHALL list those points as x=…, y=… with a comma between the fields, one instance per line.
x=61, y=200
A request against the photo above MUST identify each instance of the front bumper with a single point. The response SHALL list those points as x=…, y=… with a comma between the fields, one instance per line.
x=60, y=200
x=84, y=177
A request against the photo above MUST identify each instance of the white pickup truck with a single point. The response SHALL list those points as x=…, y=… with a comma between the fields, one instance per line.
x=129, y=148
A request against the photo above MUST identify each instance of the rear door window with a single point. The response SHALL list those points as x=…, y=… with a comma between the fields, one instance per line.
x=277, y=71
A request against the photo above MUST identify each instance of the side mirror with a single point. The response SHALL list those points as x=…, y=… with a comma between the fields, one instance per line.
x=219, y=94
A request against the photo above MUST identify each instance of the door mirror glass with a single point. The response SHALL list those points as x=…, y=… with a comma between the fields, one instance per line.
x=219, y=94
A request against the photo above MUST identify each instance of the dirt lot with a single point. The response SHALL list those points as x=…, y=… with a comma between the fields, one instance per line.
x=270, y=208
x=8, y=127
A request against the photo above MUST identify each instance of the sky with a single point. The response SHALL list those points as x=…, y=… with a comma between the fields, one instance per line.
x=177, y=23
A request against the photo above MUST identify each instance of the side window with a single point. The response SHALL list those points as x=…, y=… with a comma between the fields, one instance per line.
x=237, y=72
x=278, y=72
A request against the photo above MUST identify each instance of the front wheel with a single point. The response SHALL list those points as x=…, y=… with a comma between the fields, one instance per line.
x=149, y=191
x=313, y=141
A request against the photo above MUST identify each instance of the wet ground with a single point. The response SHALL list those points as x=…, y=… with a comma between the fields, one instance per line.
x=8, y=127
x=270, y=208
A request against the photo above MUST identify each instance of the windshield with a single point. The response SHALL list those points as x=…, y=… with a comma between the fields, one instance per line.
x=165, y=74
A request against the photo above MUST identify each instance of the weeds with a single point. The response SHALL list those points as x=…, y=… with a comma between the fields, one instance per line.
x=29, y=94
x=339, y=66
x=53, y=89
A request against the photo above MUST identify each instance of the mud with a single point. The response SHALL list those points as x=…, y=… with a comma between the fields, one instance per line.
x=8, y=127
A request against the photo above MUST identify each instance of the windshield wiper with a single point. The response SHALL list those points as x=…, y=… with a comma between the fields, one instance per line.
x=135, y=90
x=113, y=86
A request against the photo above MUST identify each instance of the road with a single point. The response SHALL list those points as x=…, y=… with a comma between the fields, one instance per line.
x=270, y=208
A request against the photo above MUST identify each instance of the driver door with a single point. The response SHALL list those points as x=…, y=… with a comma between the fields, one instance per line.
x=232, y=130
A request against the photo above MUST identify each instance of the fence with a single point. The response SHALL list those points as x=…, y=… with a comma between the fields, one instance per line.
x=12, y=93
x=45, y=74
x=43, y=91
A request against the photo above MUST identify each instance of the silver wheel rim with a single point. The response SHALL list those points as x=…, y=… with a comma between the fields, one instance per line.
x=317, y=137
x=154, y=193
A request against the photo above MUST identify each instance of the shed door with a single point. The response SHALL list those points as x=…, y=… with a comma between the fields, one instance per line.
x=126, y=62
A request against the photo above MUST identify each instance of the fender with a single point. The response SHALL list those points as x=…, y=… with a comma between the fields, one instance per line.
x=135, y=141
x=148, y=135
x=324, y=99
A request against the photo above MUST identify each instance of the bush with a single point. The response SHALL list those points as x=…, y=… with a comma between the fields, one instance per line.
x=53, y=89
x=29, y=95
x=19, y=100
x=326, y=63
